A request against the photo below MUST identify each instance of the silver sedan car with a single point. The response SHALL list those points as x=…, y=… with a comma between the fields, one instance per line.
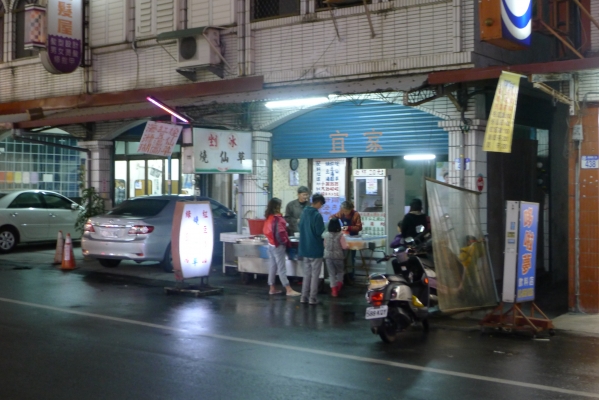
x=35, y=216
x=139, y=229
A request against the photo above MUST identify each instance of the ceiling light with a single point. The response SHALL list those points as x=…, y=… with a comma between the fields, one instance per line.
x=417, y=157
x=307, y=102
x=167, y=109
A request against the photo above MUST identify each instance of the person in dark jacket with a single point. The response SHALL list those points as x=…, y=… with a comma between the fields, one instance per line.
x=294, y=209
x=311, y=248
x=414, y=218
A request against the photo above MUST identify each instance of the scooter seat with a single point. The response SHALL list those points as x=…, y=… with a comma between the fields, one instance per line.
x=396, y=278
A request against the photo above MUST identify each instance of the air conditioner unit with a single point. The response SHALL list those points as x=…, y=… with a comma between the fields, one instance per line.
x=199, y=52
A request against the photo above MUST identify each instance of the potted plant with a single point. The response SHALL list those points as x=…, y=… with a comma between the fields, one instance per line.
x=91, y=201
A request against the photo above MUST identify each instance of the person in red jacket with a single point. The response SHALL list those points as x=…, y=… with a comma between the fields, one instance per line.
x=275, y=230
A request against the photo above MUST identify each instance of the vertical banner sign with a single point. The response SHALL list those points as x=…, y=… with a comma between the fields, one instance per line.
x=527, y=251
x=218, y=151
x=329, y=181
x=500, y=127
x=159, y=138
x=64, y=45
x=192, y=239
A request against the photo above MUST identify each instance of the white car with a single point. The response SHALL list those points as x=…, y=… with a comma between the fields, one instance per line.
x=35, y=216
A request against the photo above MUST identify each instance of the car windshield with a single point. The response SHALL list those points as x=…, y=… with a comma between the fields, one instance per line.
x=139, y=207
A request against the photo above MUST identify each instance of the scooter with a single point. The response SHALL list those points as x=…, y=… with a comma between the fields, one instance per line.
x=399, y=301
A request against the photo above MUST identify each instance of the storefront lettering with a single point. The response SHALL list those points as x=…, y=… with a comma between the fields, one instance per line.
x=338, y=142
x=373, y=141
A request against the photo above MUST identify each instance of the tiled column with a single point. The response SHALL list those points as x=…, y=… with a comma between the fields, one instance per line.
x=587, y=255
x=469, y=144
x=100, y=167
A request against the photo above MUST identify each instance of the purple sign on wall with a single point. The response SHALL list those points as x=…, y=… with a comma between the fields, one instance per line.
x=65, y=33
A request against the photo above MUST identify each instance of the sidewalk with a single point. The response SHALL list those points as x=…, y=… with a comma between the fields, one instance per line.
x=42, y=256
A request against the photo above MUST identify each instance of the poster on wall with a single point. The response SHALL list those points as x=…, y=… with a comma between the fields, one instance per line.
x=192, y=239
x=159, y=139
x=329, y=180
x=218, y=151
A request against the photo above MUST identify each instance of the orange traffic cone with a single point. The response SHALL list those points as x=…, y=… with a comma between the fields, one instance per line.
x=68, y=258
x=59, y=249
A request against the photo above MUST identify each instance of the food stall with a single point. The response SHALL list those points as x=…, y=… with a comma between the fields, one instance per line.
x=249, y=254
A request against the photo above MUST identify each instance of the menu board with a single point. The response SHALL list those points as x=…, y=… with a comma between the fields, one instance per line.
x=329, y=180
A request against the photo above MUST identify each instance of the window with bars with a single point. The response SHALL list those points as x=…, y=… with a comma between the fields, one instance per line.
x=264, y=9
x=26, y=165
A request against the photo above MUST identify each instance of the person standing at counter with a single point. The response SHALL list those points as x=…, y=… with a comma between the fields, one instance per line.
x=275, y=230
x=294, y=209
x=311, y=248
x=351, y=223
x=350, y=219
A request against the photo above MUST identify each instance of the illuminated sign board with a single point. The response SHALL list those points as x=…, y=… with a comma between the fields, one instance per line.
x=506, y=23
x=192, y=239
x=64, y=45
x=159, y=139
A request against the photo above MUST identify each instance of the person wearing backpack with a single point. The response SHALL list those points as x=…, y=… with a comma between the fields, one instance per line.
x=334, y=244
x=275, y=230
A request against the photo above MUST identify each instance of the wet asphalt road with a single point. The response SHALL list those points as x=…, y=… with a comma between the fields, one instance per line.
x=83, y=336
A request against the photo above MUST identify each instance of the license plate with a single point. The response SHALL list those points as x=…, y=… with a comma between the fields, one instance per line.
x=109, y=234
x=376, y=312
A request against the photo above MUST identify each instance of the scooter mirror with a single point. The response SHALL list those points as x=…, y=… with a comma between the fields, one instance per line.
x=420, y=228
x=409, y=240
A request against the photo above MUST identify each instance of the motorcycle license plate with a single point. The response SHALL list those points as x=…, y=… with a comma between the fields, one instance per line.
x=376, y=312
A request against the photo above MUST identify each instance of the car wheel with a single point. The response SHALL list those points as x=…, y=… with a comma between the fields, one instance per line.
x=167, y=260
x=109, y=262
x=8, y=240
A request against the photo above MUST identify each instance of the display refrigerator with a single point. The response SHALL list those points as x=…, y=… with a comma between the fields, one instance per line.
x=379, y=197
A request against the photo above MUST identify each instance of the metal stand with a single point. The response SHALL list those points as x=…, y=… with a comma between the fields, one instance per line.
x=514, y=319
x=201, y=290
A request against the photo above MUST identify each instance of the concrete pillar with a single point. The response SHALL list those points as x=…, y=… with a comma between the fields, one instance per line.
x=469, y=144
x=100, y=167
x=255, y=189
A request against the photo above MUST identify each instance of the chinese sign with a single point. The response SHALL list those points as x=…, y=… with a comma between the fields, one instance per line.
x=527, y=251
x=500, y=127
x=370, y=172
x=521, y=236
x=218, y=151
x=329, y=180
x=64, y=40
x=159, y=138
x=192, y=239
x=373, y=223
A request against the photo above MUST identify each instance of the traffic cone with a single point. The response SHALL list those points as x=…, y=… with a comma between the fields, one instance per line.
x=59, y=249
x=68, y=258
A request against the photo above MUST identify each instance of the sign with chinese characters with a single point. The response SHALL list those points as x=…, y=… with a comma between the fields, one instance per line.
x=64, y=46
x=329, y=181
x=373, y=223
x=527, y=251
x=371, y=186
x=370, y=172
x=192, y=239
x=159, y=138
x=520, y=251
x=218, y=151
x=500, y=127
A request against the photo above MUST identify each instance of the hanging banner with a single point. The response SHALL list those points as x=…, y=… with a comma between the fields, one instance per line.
x=329, y=181
x=64, y=46
x=192, y=239
x=217, y=151
x=500, y=127
x=159, y=138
